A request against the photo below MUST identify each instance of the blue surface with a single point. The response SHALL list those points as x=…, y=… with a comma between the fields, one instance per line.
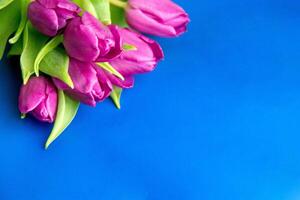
x=218, y=119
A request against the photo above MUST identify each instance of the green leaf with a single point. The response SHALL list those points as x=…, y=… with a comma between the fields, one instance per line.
x=102, y=8
x=111, y=69
x=33, y=42
x=129, y=47
x=9, y=17
x=50, y=46
x=116, y=96
x=66, y=111
x=118, y=16
x=16, y=49
x=56, y=64
x=98, y=8
x=24, y=7
x=86, y=5
x=4, y=3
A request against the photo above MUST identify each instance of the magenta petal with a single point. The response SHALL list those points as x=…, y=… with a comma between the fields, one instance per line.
x=88, y=40
x=39, y=98
x=43, y=19
x=104, y=81
x=86, y=98
x=141, y=22
x=143, y=59
x=127, y=83
x=161, y=10
x=48, y=3
x=32, y=94
x=116, y=49
x=51, y=101
x=50, y=16
x=80, y=41
x=157, y=17
x=71, y=8
x=83, y=75
x=91, y=85
x=41, y=113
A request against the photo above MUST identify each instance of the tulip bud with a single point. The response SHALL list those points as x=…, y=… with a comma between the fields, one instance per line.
x=90, y=86
x=88, y=40
x=50, y=16
x=143, y=59
x=157, y=17
x=39, y=98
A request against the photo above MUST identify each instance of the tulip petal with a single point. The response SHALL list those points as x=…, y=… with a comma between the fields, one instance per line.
x=117, y=49
x=43, y=19
x=48, y=3
x=143, y=59
x=83, y=75
x=39, y=97
x=104, y=81
x=127, y=83
x=87, y=87
x=139, y=21
x=51, y=101
x=84, y=49
x=41, y=113
x=159, y=17
x=32, y=94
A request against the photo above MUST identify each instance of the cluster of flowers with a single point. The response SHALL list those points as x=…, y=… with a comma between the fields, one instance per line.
x=103, y=57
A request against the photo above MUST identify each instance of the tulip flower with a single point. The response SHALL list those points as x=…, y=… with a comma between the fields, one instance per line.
x=142, y=59
x=88, y=40
x=157, y=17
x=39, y=98
x=50, y=16
x=90, y=85
x=127, y=83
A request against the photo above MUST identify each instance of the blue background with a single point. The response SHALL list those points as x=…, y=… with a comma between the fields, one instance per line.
x=218, y=119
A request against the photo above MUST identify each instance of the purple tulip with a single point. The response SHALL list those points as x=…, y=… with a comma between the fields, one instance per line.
x=143, y=59
x=90, y=83
x=127, y=83
x=50, y=16
x=39, y=98
x=157, y=17
x=88, y=40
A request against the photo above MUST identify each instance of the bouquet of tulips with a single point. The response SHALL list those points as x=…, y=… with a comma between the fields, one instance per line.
x=82, y=51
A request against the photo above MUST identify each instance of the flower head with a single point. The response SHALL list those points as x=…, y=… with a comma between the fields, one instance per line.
x=50, y=16
x=91, y=84
x=142, y=59
x=39, y=98
x=157, y=17
x=88, y=40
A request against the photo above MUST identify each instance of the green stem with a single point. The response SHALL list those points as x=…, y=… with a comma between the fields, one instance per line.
x=118, y=3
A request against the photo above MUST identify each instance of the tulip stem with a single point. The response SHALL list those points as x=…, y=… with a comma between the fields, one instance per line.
x=118, y=3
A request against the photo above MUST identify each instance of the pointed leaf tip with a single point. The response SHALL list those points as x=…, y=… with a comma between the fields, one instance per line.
x=56, y=64
x=66, y=111
x=24, y=5
x=116, y=96
x=50, y=46
x=33, y=41
x=106, y=66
